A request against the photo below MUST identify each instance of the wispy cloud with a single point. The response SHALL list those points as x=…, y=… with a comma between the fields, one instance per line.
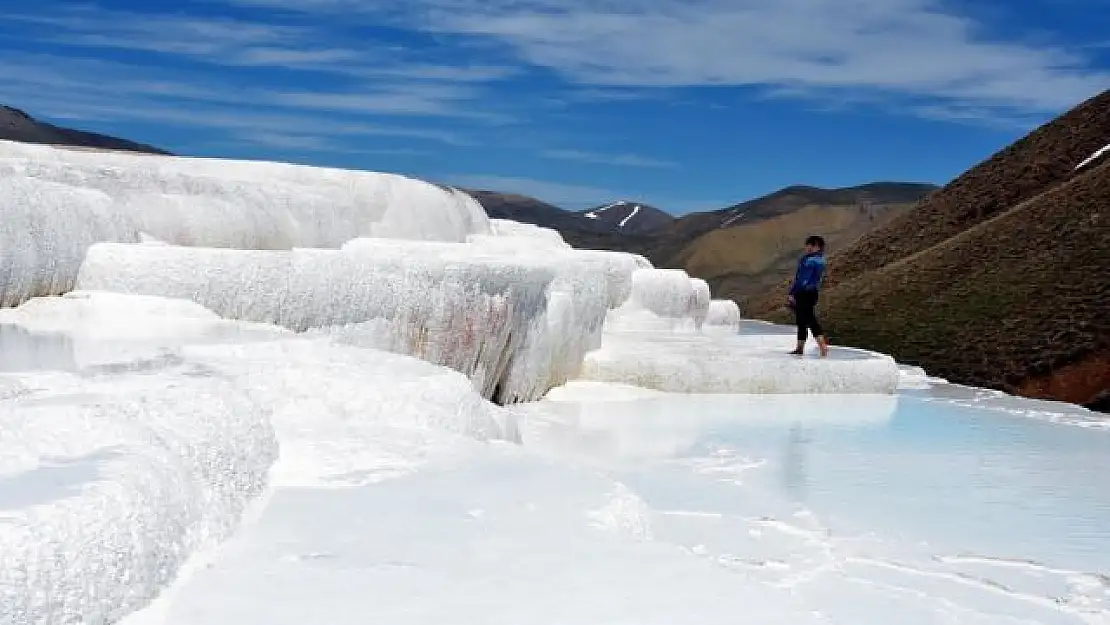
x=282, y=140
x=225, y=41
x=219, y=39
x=397, y=99
x=448, y=73
x=1011, y=122
x=103, y=90
x=890, y=48
x=897, y=47
x=626, y=160
x=240, y=120
x=312, y=143
x=350, y=75
x=320, y=58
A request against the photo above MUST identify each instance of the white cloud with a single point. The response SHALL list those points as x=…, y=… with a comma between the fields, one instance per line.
x=259, y=123
x=448, y=73
x=903, y=47
x=613, y=94
x=225, y=40
x=393, y=99
x=312, y=143
x=285, y=57
x=282, y=140
x=87, y=87
x=891, y=48
x=1000, y=119
x=101, y=90
x=349, y=75
x=236, y=42
x=626, y=160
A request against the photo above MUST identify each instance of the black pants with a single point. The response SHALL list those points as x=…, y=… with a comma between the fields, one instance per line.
x=805, y=311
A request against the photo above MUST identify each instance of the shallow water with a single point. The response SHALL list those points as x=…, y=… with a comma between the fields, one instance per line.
x=935, y=503
x=27, y=351
x=23, y=351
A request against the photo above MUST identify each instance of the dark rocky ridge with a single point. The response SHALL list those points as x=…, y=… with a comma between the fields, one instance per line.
x=16, y=125
x=664, y=244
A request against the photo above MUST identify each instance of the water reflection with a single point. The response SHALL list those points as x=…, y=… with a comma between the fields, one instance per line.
x=54, y=479
x=795, y=478
x=965, y=479
x=23, y=351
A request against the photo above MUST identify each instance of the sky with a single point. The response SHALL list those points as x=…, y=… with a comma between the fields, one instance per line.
x=683, y=104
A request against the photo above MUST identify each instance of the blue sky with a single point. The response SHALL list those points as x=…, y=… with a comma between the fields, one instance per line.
x=686, y=104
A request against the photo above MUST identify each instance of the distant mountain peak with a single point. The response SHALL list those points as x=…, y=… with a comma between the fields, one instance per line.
x=629, y=217
x=595, y=213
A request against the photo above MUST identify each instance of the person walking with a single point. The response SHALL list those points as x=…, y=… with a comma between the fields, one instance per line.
x=804, y=292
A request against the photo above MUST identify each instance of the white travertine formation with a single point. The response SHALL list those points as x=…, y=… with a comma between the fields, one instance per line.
x=58, y=201
x=586, y=283
x=552, y=346
x=110, y=485
x=84, y=329
x=664, y=292
x=696, y=363
x=723, y=312
x=509, y=228
x=662, y=300
x=472, y=317
x=45, y=228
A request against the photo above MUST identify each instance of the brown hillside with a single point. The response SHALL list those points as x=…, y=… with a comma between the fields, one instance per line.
x=1029, y=167
x=746, y=260
x=667, y=245
x=747, y=248
x=1019, y=302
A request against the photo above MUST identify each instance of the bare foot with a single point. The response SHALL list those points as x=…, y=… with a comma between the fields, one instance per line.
x=823, y=346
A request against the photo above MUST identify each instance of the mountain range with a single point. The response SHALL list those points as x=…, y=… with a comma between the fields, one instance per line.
x=626, y=217
x=741, y=250
x=623, y=217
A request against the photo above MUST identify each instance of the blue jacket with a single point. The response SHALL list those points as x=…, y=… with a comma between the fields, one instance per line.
x=811, y=269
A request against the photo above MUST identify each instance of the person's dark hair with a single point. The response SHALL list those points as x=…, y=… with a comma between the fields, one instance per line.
x=817, y=240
